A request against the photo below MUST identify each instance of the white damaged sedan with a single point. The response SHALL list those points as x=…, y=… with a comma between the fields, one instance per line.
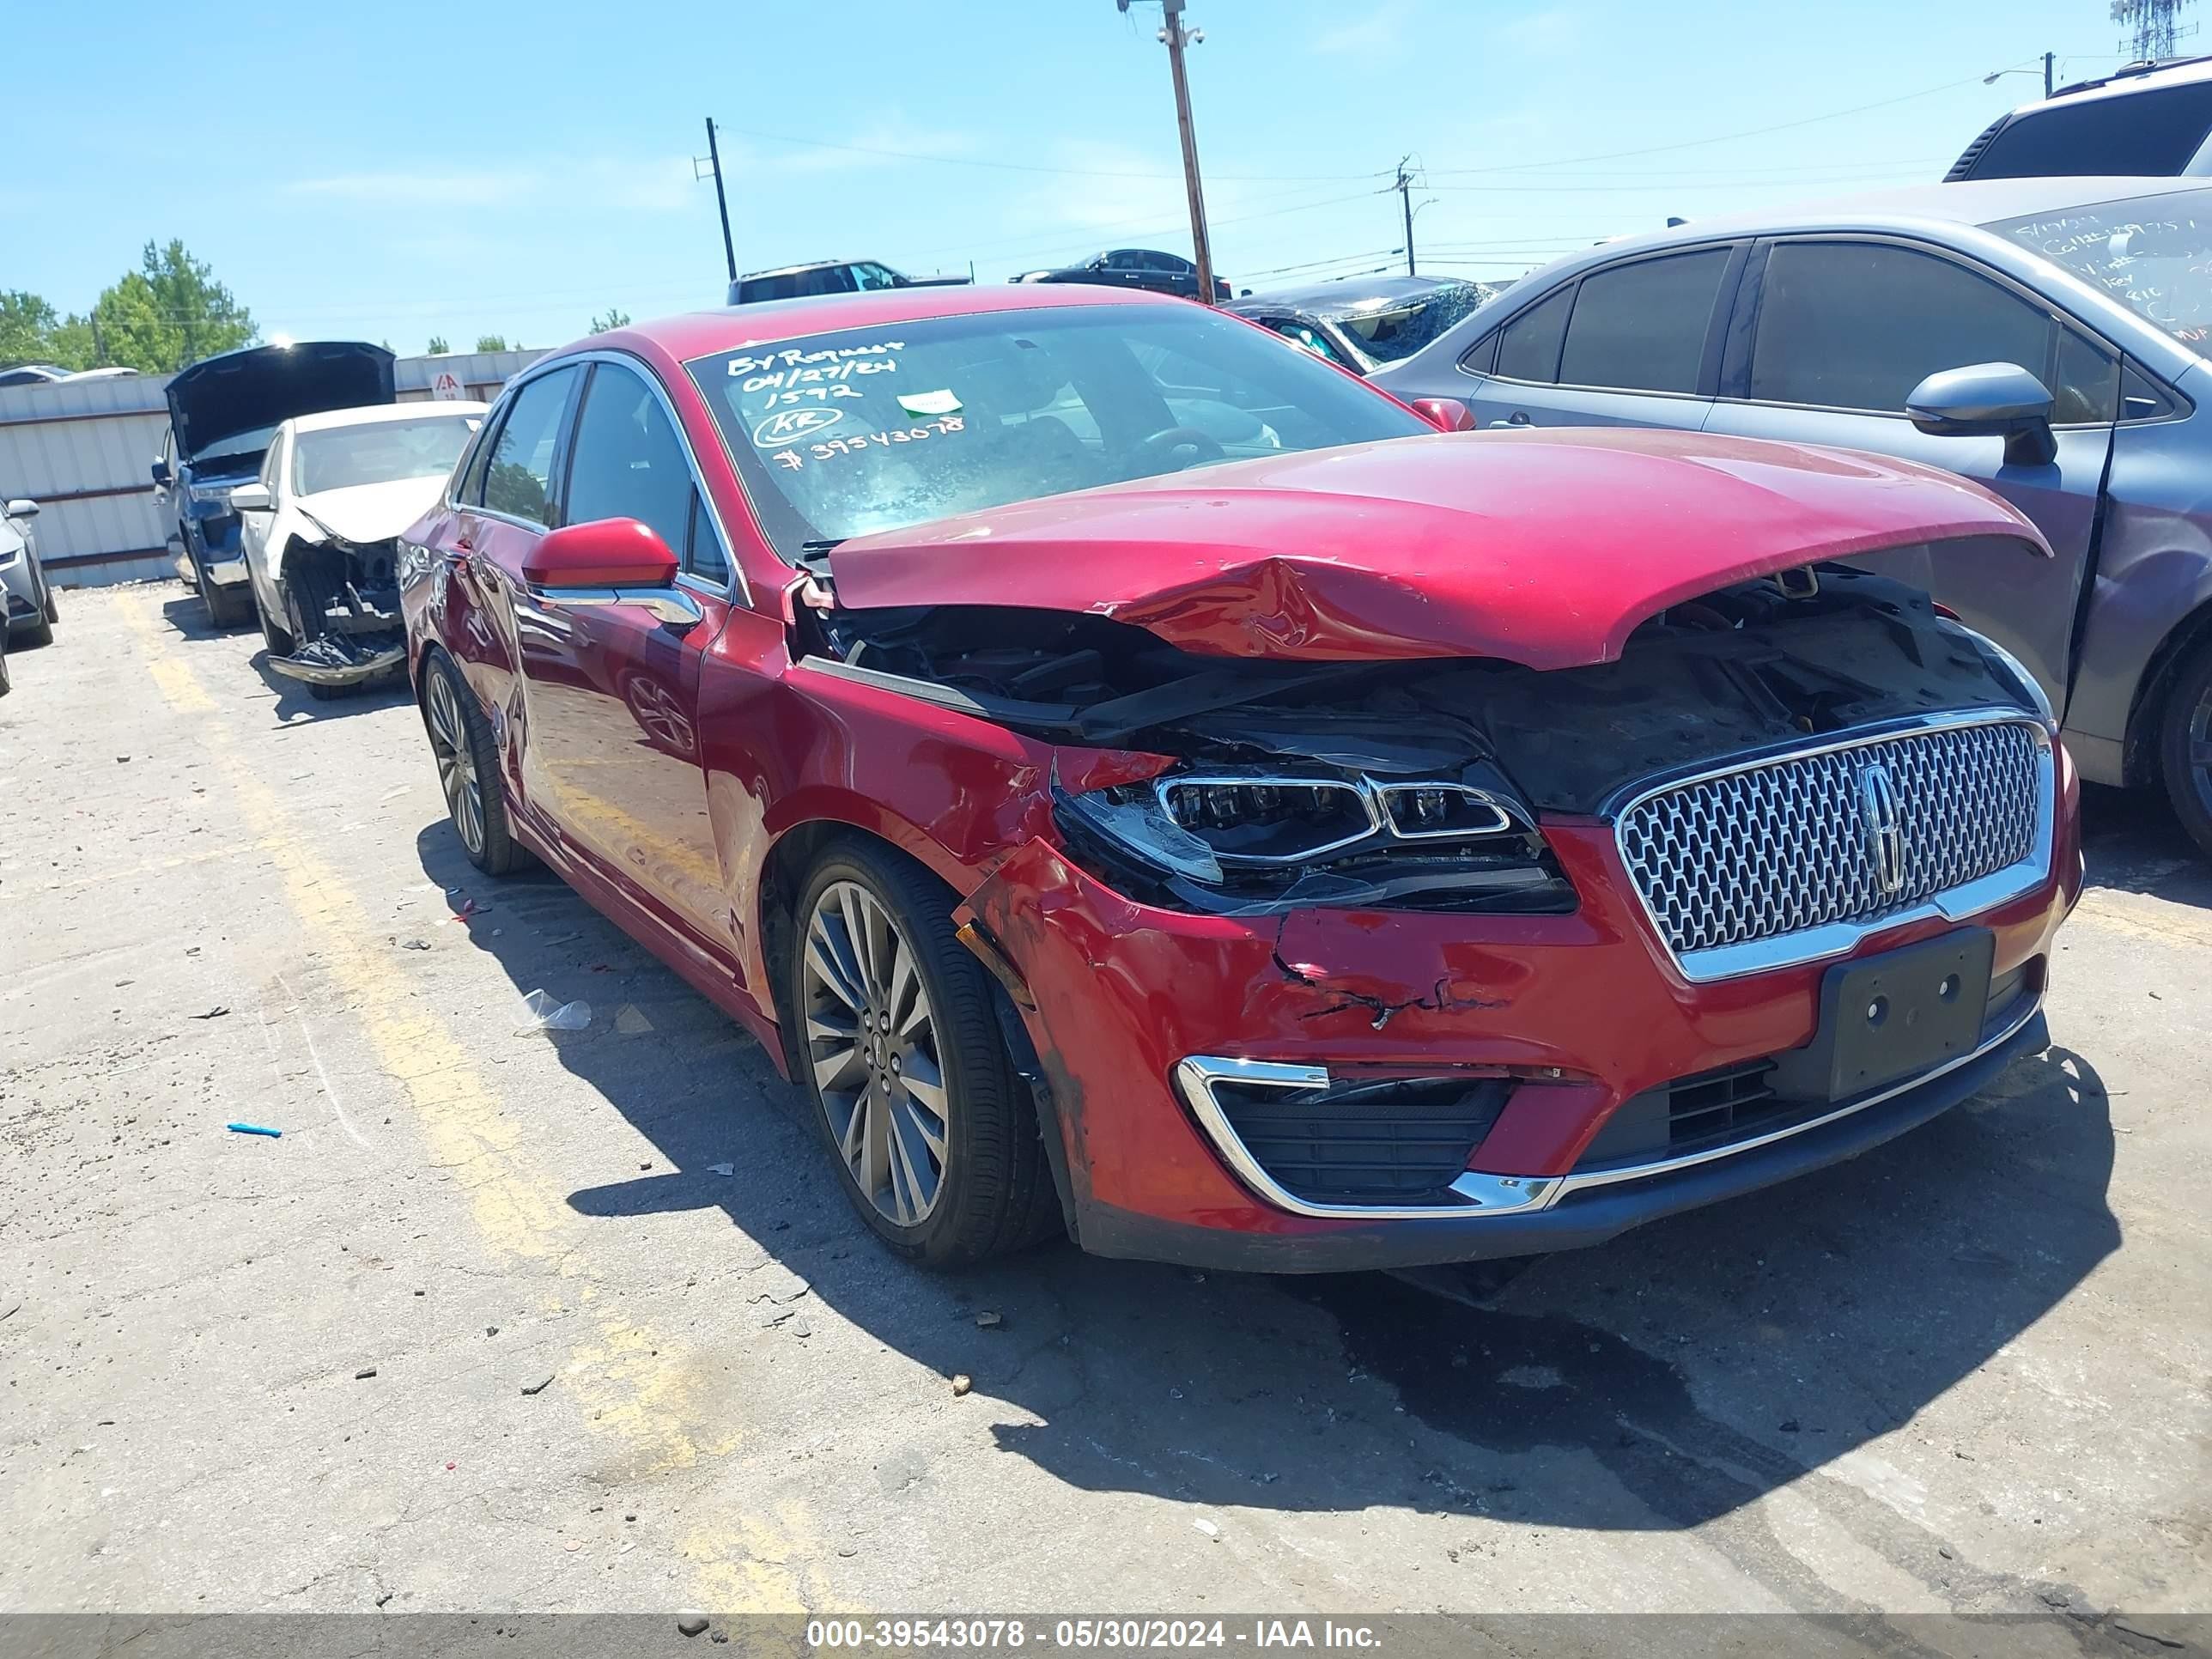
x=321, y=528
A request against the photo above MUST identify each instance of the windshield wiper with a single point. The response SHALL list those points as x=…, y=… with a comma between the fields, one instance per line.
x=814, y=552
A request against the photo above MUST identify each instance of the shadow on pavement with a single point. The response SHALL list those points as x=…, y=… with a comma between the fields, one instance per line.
x=2134, y=843
x=1671, y=1377
x=189, y=618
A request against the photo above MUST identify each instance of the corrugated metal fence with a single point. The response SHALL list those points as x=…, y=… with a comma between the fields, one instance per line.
x=84, y=450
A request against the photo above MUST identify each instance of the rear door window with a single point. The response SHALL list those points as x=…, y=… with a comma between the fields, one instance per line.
x=1859, y=324
x=1642, y=327
x=519, y=481
x=1528, y=346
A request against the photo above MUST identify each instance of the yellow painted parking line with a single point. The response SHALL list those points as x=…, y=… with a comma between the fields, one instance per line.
x=629, y=1383
x=2112, y=910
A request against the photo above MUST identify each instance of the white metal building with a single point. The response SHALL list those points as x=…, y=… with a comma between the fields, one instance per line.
x=84, y=450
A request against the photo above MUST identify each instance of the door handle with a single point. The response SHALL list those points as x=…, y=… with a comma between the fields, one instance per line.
x=1518, y=417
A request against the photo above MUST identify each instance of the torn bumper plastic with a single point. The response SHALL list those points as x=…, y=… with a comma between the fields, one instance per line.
x=1566, y=1019
x=329, y=662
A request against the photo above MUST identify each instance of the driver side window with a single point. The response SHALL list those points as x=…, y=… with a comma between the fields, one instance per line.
x=628, y=460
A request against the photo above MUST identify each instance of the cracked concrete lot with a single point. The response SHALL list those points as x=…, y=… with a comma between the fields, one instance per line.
x=512, y=1321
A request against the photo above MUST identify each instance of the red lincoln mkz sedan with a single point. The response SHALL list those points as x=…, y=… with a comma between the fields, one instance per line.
x=1140, y=780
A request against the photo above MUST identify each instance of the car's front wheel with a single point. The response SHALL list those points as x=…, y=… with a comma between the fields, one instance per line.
x=2184, y=748
x=933, y=1139
x=468, y=769
x=274, y=634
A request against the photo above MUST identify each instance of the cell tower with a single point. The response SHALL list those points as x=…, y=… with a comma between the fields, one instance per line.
x=2152, y=30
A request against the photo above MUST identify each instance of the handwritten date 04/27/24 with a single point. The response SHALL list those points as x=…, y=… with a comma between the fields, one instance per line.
x=1116, y=1634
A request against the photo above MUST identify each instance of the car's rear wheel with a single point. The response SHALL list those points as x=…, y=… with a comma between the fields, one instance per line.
x=2185, y=744
x=468, y=769
x=933, y=1139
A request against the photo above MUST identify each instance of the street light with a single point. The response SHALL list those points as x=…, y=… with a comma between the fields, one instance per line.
x=1992, y=77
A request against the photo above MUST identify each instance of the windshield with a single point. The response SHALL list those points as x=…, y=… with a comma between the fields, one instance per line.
x=843, y=435
x=2151, y=254
x=340, y=456
x=1392, y=336
x=227, y=452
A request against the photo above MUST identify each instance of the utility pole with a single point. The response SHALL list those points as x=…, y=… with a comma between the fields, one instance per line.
x=2048, y=58
x=721, y=201
x=1176, y=37
x=1405, y=189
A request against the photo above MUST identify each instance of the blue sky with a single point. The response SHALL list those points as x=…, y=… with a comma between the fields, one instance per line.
x=403, y=170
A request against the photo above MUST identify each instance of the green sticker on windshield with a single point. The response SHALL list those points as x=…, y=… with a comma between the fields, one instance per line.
x=929, y=403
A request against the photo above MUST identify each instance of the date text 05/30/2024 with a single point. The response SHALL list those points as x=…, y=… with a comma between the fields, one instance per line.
x=1112, y=1634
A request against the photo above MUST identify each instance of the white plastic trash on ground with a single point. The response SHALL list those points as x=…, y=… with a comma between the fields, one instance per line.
x=541, y=1013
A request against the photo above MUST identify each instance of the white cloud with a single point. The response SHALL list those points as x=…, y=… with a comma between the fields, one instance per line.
x=663, y=185
x=1546, y=33
x=1379, y=28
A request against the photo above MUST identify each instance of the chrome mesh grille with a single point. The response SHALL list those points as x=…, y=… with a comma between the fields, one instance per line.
x=1778, y=848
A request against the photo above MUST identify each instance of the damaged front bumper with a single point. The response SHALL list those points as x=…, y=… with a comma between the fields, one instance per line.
x=1477, y=1040
x=342, y=665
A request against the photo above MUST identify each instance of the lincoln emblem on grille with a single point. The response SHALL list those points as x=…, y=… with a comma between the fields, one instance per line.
x=1885, y=832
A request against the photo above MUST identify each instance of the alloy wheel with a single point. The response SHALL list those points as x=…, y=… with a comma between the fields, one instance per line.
x=872, y=1043
x=457, y=763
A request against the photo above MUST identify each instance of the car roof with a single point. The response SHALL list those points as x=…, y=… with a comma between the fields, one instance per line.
x=703, y=333
x=2173, y=72
x=801, y=270
x=373, y=414
x=1347, y=296
x=1970, y=201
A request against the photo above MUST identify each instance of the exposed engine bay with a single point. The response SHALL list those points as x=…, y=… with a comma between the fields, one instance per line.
x=342, y=604
x=1416, y=784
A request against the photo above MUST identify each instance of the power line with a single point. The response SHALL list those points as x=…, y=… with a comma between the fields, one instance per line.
x=1032, y=167
x=1724, y=137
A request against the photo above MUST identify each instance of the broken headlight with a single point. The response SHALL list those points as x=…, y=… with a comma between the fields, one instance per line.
x=1238, y=841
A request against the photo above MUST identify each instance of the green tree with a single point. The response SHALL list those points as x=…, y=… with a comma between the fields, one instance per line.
x=437, y=348
x=28, y=325
x=170, y=311
x=613, y=319
x=493, y=342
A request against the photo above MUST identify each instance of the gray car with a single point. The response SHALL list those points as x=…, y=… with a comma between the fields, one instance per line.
x=1364, y=322
x=27, y=599
x=2045, y=336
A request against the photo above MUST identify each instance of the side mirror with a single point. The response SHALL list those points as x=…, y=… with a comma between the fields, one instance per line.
x=1989, y=399
x=251, y=498
x=162, y=475
x=20, y=508
x=609, y=562
x=1445, y=414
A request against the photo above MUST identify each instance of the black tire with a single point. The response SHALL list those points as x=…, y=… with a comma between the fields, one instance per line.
x=4, y=667
x=274, y=634
x=492, y=849
x=2185, y=745
x=40, y=631
x=995, y=1193
x=224, y=609
x=299, y=631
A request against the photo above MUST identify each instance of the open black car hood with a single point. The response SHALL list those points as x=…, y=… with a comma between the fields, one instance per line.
x=261, y=386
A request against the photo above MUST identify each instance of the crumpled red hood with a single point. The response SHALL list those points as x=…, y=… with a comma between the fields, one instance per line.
x=1544, y=547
